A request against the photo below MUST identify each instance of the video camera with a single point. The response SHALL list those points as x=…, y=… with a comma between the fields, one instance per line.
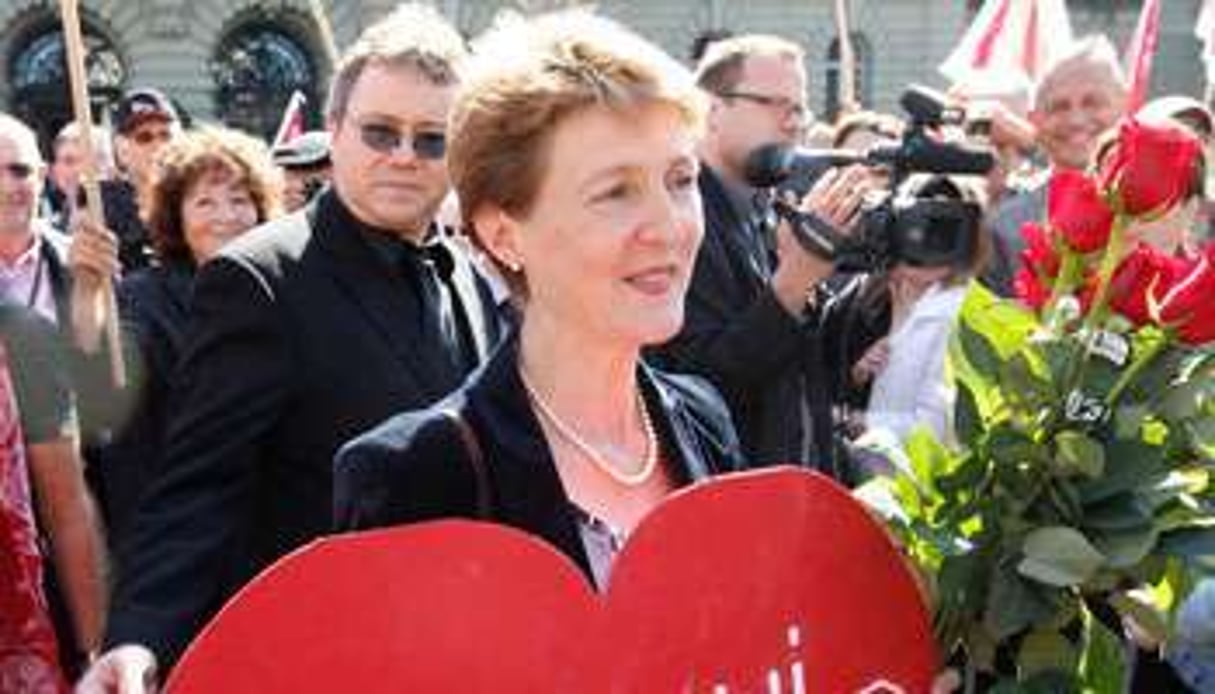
x=929, y=226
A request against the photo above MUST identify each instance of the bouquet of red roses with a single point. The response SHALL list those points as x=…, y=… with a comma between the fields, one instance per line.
x=1078, y=487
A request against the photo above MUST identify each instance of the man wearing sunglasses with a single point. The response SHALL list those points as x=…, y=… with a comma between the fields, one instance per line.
x=305, y=332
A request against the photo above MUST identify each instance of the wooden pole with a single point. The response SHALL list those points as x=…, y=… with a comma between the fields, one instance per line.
x=326, y=32
x=847, y=60
x=73, y=42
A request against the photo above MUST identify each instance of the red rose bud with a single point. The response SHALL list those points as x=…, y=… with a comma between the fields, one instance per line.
x=1143, y=276
x=1077, y=211
x=1151, y=168
x=1030, y=290
x=1189, y=306
x=1039, y=254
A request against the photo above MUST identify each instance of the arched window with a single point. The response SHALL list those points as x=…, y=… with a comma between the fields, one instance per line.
x=862, y=72
x=37, y=73
x=256, y=68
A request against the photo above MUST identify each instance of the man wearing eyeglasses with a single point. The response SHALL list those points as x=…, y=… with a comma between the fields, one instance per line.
x=305, y=332
x=748, y=325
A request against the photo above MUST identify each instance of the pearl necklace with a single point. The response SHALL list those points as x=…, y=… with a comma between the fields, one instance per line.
x=589, y=452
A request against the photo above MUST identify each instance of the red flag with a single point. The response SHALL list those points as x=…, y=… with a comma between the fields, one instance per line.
x=983, y=49
x=292, y=125
x=1010, y=38
x=1139, y=54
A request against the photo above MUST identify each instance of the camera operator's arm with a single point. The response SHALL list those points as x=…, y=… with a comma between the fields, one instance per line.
x=836, y=197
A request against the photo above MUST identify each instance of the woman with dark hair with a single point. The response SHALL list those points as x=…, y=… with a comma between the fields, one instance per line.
x=211, y=186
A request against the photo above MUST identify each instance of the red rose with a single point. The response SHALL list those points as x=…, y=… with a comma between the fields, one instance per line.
x=1039, y=254
x=1077, y=211
x=1189, y=306
x=1151, y=168
x=1145, y=275
x=1030, y=290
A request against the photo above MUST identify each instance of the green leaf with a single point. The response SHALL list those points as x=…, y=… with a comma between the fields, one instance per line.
x=1014, y=604
x=1193, y=544
x=1128, y=420
x=929, y=459
x=1202, y=436
x=1127, y=547
x=1186, y=399
x=965, y=477
x=1059, y=556
x=1156, y=378
x=979, y=352
x=967, y=421
x=1079, y=454
x=1006, y=324
x=1045, y=650
x=1024, y=382
x=1129, y=466
x=1051, y=682
x=1010, y=447
x=1121, y=512
x=1103, y=667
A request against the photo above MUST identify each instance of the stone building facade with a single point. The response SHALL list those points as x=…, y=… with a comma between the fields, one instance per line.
x=238, y=60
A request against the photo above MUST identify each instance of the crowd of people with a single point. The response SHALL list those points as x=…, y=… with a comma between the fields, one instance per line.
x=529, y=281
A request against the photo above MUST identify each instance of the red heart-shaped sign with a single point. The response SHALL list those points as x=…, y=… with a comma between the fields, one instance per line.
x=774, y=581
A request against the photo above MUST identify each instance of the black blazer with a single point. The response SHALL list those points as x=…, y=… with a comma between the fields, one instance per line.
x=154, y=304
x=300, y=337
x=417, y=467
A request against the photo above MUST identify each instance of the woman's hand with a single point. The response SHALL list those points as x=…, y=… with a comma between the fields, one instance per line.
x=127, y=669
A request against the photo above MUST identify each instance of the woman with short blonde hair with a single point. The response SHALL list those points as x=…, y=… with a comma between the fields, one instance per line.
x=572, y=150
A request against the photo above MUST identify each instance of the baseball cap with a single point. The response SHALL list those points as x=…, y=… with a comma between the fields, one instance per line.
x=303, y=151
x=139, y=105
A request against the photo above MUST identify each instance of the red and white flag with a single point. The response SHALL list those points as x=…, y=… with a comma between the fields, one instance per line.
x=1010, y=37
x=1139, y=55
x=292, y=124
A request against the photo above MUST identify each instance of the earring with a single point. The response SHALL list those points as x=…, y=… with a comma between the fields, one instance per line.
x=514, y=266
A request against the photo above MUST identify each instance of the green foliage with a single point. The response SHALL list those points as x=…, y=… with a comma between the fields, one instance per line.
x=1079, y=472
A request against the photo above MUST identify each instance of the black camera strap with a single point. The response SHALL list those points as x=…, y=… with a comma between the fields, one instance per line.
x=813, y=233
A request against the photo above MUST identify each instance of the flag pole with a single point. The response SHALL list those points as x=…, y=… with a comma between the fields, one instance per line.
x=847, y=60
x=73, y=42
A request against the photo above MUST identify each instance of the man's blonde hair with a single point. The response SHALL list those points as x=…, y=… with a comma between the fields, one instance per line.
x=413, y=36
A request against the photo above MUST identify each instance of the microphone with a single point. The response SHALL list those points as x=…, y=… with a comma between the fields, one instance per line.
x=774, y=164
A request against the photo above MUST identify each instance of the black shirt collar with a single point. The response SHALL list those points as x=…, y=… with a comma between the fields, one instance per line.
x=387, y=245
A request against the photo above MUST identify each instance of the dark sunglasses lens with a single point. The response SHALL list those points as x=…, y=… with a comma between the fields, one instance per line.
x=20, y=170
x=430, y=145
x=147, y=137
x=380, y=138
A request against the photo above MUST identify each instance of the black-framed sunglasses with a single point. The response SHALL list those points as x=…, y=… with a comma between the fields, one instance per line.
x=19, y=170
x=385, y=139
